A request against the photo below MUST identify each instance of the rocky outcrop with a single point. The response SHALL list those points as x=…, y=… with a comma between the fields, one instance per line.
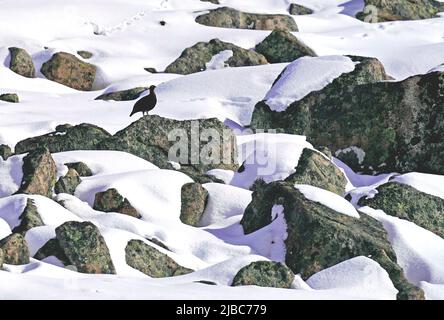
x=124, y=95
x=151, y=261
x=52, y=249
x=194, y=198
x=281, y=46
x=70, y=71
x=195, y=58
x=226, y=17
x=85, y=54
x=65, y=138
x=82, y=168
x=21, y=62
x=39, y=173
x=68, y=183
x=9, y=97
x=15, y=249
x=319, y=237
x=112, y=201
x=30, y=218
x=297, y=9
x=5, y=151
x=85, y=247
x=264, y=274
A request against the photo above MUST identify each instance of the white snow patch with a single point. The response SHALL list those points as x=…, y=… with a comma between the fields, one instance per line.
x=220, y=60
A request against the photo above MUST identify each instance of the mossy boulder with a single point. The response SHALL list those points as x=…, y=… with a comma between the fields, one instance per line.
x=226, y=17
x=405, y=202
x=85, y=54
x=65, y=138
x=112, y=201
x=82, y=168
x=195, y=58
x=68, y=183
x=123, y=95
x=319, y=237
x=85, y=247
x=39, y=173
x=264, y=274
x=297, y=9
x=21, y=62
x=15, y=249
x=70, y=71
x=5, y=151
x=194, y=198
x=30, y=218
x=52, y=248
x=151, y=261
x=9, y=97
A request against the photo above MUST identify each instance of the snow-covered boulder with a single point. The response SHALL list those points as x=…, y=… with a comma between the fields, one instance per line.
x=15, y=249
x=194, y=198
x=9, y=97
x=68, y=183
x=30, y=218
x=21, y=62
x=112, y=201
x=297, y=9
x=123, y=95
x=264, y=274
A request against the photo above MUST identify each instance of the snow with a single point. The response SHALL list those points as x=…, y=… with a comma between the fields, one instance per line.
x=219, y=61
x=10, y=175
x=427, y=183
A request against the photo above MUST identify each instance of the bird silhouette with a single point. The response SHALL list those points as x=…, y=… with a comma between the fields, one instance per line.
x=145, y=104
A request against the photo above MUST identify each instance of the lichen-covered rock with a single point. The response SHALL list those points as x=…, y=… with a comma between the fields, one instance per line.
x=85, y=54
x=39, y=173
x=124, y=95
x=148, y=138
x=85, y=247
x=383, y=10
x=5, y=151
x=226, y=17
x=151, y=261
x=194, y=198
x=297, y=9
x=282, y=46
x=52, y=248
x=195, y=58
x=21, y=62
x=319, y=237
x=405, y=202
x=264, y=274
x=30, y=218
x=70, y=71
x=15, y=249
x=112, y=201
x=68, y=183
x=9, y=97
x=82, y=168
x=314, y=169
x=66, y=138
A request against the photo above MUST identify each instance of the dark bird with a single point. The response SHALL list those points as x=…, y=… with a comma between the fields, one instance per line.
x=145, y=104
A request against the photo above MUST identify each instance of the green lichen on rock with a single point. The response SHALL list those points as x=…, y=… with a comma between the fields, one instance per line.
x=82, y=168
x=124, y=95
x=226, y=17
x=15, y=249
x=21, y=62
x=112, y=201
x=282, y=46
x=194, y=59
x=405, y=202
x=194, y=198
x=9, y=97
x=68, y=183
x=297, y=9
x=85, y=247
x=30, y=218
x=151, y=261
x=5, y=151
x=52, y=248
x=314, y=169
x=319, y=237
x=264, y=274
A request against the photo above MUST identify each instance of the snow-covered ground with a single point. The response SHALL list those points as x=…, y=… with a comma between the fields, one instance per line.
x=125, y=37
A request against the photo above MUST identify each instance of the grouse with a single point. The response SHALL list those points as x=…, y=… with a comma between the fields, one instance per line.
x=145, y=104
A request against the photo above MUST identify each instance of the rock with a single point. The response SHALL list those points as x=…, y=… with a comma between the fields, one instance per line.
x=383, y=10
x=68, y=183
x=194, y=198
x=5, y=151
x=405, y=202
x=66, y=138
x=314, y=169
x=2, y=257
x=281, y=46
x=85, y=247
x=30, y=218
x=297, y=9
x=112, y=201
x=147, y=138
x=82, y=168
x=212, y=1
x=150, y=70
x=124, y=95
x=39, y=173
x=15, y=249
x=264, y=274
x=21, y=62
x=319, y=237
x=85, y=54
x=195, y=58
x=151, y=261
x=226, y=17
x=70, y=71
x=9, y=97
x=52, y=248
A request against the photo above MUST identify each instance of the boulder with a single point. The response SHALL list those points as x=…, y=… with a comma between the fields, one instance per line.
x=319, y=237
x=52, y=248
x=405, y=202
x=112, y=201
x=5, y=151
x=212, y=1
x=68, y=183
x=226, y=17
x=70, y=71
x=15, y=249
x=85, y=54
x=65, y=138
x=9, y=97
x=124, y=95
x=297, y=9
x=282, y=46
x=82, y=168
x=30, y=218
x=194, y=198
x=39, y=173
x=21, y=62
x=195, y=58
x=2, y=257
x=151, y=261
x=85, y=247
x=316, y=170
x=264, y=274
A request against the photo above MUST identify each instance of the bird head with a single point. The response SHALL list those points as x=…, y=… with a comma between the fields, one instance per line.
x=152, y=88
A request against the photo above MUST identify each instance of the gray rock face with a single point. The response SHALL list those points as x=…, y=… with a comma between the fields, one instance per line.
x=194, y=198
x=15, y=249
x=5, y=151
x=124, y=95
x=21, y=62
x=9, y=97
x=112, y=201
x=52, y=248
x=297, y=9
x=85, y=54
x=68, y=183
x=82, y=168
x=30, y=218
x=264, y=274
